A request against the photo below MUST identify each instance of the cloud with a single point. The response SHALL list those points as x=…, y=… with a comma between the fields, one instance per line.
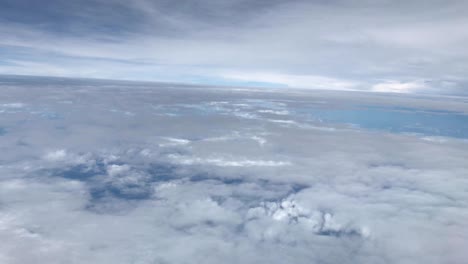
x=399, y=87
x=308, y=44
x=297, y=81
x=56, y=155
x=100, y=186
x=13, y=105
x=320, y=223
x=225, y=162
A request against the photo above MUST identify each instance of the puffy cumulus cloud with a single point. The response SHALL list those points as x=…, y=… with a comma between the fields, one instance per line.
x=318, y=222
x=185, y=179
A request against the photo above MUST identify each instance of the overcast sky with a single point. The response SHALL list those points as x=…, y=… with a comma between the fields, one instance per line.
x=396, y=46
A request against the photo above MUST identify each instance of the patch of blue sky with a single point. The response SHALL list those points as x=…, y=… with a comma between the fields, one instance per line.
x=396, y=120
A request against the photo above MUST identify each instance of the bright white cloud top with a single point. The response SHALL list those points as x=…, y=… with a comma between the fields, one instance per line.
x=119, y=172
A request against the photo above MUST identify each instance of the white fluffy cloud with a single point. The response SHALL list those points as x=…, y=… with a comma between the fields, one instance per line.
x=187, y=180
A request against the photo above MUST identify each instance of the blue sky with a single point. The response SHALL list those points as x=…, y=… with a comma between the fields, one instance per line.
x=385, y=46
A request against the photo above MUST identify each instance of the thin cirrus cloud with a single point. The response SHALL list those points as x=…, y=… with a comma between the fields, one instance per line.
x=305, y=44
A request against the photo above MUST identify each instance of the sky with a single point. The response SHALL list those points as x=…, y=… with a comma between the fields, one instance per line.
x=114, y=172
x=384, y=46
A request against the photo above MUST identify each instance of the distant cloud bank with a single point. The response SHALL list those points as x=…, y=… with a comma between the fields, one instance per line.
x=382, y=46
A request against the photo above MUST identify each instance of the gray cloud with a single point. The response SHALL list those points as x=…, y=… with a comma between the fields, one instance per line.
x=360, y=45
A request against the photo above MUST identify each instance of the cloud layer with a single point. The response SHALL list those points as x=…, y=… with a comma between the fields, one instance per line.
x=118, y=172
x=361, y=45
